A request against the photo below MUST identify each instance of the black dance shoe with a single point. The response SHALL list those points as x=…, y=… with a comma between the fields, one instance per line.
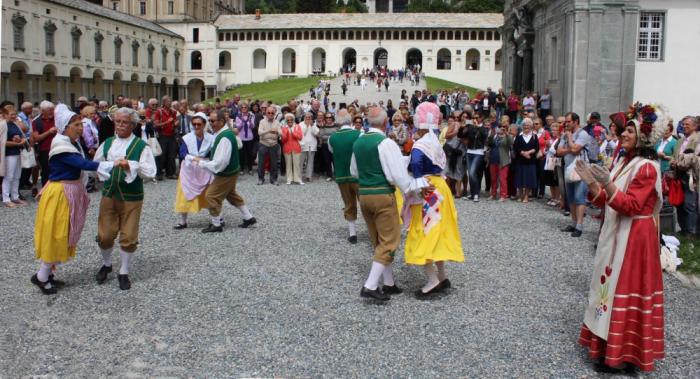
x=374, y=294
x=180, y=226
x=445, y=284
x=55, y=282
x=42, y=286
x=213, y=229
x=124, y=282
x=568, y=229
x=248, y=222
x=101, y=276
x=425, y=295
x=352, y=239
x=392, y=290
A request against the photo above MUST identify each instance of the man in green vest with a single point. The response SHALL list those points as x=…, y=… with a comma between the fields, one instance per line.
x=122, y=195
x=379, y=165
x=225, y=166
x=340, y=145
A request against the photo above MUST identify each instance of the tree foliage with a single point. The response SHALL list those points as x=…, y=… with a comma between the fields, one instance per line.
x=356, y=6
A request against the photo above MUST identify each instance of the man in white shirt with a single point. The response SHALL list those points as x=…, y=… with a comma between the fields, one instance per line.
x=225, y=166
x=122, y=195
x=381, y=168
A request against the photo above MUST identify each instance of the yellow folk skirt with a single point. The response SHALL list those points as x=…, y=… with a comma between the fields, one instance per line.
x=182, y=205
x=52, y=226
x=443, y=242
x=399, y=203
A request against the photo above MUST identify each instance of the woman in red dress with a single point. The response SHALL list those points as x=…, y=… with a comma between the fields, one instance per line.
x=623, y=323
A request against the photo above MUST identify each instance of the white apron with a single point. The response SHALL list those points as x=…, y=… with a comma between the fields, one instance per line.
x=610, y=253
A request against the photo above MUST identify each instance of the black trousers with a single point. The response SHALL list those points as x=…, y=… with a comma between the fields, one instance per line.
x=169, y=146
x=44, y=163
x=327, y=160
x=248, y=155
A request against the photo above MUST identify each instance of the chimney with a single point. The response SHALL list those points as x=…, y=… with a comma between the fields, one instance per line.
x=257, y=14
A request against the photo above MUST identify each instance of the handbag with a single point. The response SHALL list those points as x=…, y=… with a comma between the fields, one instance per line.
x=155, y=146
x=570, y=174
x=676, y=196
x=550, y=163
x=27, y=157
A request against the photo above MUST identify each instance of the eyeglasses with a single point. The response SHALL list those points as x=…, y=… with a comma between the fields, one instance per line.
x=271, y=113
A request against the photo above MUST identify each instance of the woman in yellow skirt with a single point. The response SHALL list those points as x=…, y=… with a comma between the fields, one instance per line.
x=64, y=201
x=433, y=237
x=193, y=181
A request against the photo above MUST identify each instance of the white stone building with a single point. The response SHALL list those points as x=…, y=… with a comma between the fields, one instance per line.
x=463, y=48
x=602, y=56
x=63, y=49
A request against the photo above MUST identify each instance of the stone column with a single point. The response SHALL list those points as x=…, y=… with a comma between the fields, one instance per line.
x=6, y=87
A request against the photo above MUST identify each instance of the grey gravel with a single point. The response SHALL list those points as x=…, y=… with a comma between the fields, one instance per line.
x=282, y=298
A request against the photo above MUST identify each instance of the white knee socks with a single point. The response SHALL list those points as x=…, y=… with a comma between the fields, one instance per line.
x=388, y=276
x=442, y=275
x=373, y=279
x=216, y=220
x=44, y=272
x=432, y=277
x=183, y=218
x=245, y=212
x=126, y=257
x=351, y=228
x=107, y=257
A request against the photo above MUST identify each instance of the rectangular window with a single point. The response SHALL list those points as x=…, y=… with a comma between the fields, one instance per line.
x=142, y=8
x=50, y=49
x=195, y=35
x=165, y=60
x=135, y=56
x=651, y=34
x=177, y=62
x=118, y=54
x=98, y=51
x=171, y=7
x=115, y=5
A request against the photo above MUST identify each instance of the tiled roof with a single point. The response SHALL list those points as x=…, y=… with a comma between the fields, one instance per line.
x=125, y=18
x=361, y=20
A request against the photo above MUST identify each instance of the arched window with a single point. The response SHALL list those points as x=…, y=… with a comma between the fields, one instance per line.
x=177, y=60
x=164, y=58
x=473, y=60
x=196, y=60
x=444, y=59
x=224, y=60
x=259, y=58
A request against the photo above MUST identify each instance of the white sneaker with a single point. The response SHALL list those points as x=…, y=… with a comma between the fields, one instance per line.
x=329, y=179
x=301, y=183
x=288, y=182
x=476, y=198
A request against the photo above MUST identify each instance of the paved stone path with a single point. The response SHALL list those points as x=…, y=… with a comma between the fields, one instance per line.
x=282, y=299
x=370, y=93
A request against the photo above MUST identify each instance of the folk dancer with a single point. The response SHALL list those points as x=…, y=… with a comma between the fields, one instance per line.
x=340, y=145
x=623, y=324
x=224, y=165
x=122, y=194
x=433, y=236
x=64, y=200
x=380, y=169
x=193, y=181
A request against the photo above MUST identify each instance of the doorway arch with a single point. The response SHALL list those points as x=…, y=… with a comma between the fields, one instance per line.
x=349, y=59
x=414, y=58
x=381, y=57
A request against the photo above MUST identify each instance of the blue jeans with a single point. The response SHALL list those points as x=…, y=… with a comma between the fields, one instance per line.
x=576, y=193
x=475, y=164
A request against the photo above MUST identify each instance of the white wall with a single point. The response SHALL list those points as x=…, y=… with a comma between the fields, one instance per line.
x=674, y=81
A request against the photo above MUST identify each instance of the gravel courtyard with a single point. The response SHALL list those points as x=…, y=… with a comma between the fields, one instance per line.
x=282, y=299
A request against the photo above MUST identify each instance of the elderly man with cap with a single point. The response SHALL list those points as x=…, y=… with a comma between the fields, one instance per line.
x=340, y=145
x=122, y=194
x=381, y=168
x=64, y=202
x=433, y=237
x=225, y=167
x=193, y=180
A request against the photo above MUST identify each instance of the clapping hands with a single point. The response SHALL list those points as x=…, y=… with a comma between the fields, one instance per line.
x=584, y=171
x=601, y=174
